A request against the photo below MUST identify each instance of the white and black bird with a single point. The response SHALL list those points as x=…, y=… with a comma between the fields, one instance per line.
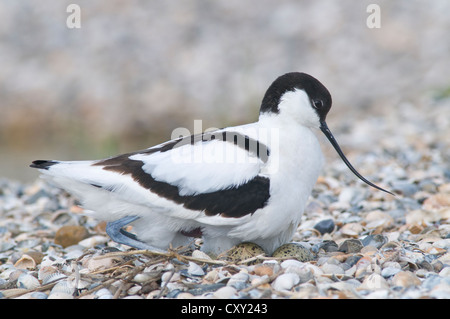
x=247, y=183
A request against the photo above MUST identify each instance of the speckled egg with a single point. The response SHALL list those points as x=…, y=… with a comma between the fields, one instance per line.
x=244, y=251
x=294, y=251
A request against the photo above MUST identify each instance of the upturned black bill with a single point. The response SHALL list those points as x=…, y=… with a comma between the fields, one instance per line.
x=327, y=132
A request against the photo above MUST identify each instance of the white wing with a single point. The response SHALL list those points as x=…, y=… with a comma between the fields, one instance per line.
x=215, y=173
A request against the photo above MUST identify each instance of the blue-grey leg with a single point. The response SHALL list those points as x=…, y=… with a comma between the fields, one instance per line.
x=121, y=236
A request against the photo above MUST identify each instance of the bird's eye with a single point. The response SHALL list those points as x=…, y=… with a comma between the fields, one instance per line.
x=317, y=104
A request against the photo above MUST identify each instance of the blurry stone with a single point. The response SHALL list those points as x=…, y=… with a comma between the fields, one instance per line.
x=437, y=202
x=376, y=240
x=326, y=246
x=390, y=271
x=225, y=292
x=377, y=219
x=93, y=241
x=405, y=279
x=325, y=226
x=263, y=270
x=239, y=281
x=374, y=282
x=351, y=246
x=352, y=229
x=285, y=282
x=332, y=269
x=404, y=188
x=70, y=235
x=352, y=260
x=200, y=255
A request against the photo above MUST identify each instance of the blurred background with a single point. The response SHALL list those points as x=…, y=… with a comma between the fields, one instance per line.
x=136, y=70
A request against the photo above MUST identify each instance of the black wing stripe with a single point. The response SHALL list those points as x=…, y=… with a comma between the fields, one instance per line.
x=235, y=201
x=243, y=141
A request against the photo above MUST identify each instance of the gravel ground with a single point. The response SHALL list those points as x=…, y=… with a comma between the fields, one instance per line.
x=363, y=243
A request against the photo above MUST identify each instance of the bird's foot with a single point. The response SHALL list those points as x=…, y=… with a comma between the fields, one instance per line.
x=119, y=235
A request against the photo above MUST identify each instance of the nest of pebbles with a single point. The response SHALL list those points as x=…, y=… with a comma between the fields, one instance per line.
x=363, y=243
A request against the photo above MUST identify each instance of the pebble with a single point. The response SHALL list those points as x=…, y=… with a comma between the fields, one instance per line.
x=325, y=226
x=195, y=269
x=286, y=281
x=376, y=240
x=374, y=282
x=225, y=292
x=70, y=235
x=351, y=246
x=239, y=281
x=405, y=279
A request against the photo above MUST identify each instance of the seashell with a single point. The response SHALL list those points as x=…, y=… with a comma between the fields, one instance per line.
x=11, y=293
x=351, y=246
x=96, y=264
x=445, y=258
x=285, y=282
x=304, y=270
x=332, y=269
x=27, y=281
x=195, y=269
x=38, y=295
x=46, y=272
x=445, y=272
x=212, y=276
x=437, y=202
x=405, y=279
x=374, y=282
x=352, y=229
x=390, y=271
x=185, y=295
x=263, y=270
x=143, y=277
x=377, y=219
x=293, y=250
x=170, y=276
x=25, y=262
x=50, y=260
x=200, y=255
x=419, y=216
x=53, y=277
x=61, y=289
x=103, y=294
x=225, y=292
x=29, y=260
x=93, y=241
x=60, y=295
x=243, y=251
x=134, y=290
x=376, y=240
x=15, y=274
x=8, y=272
x=239, y=281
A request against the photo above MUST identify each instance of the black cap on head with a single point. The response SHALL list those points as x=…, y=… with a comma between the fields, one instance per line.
x=317, y=92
